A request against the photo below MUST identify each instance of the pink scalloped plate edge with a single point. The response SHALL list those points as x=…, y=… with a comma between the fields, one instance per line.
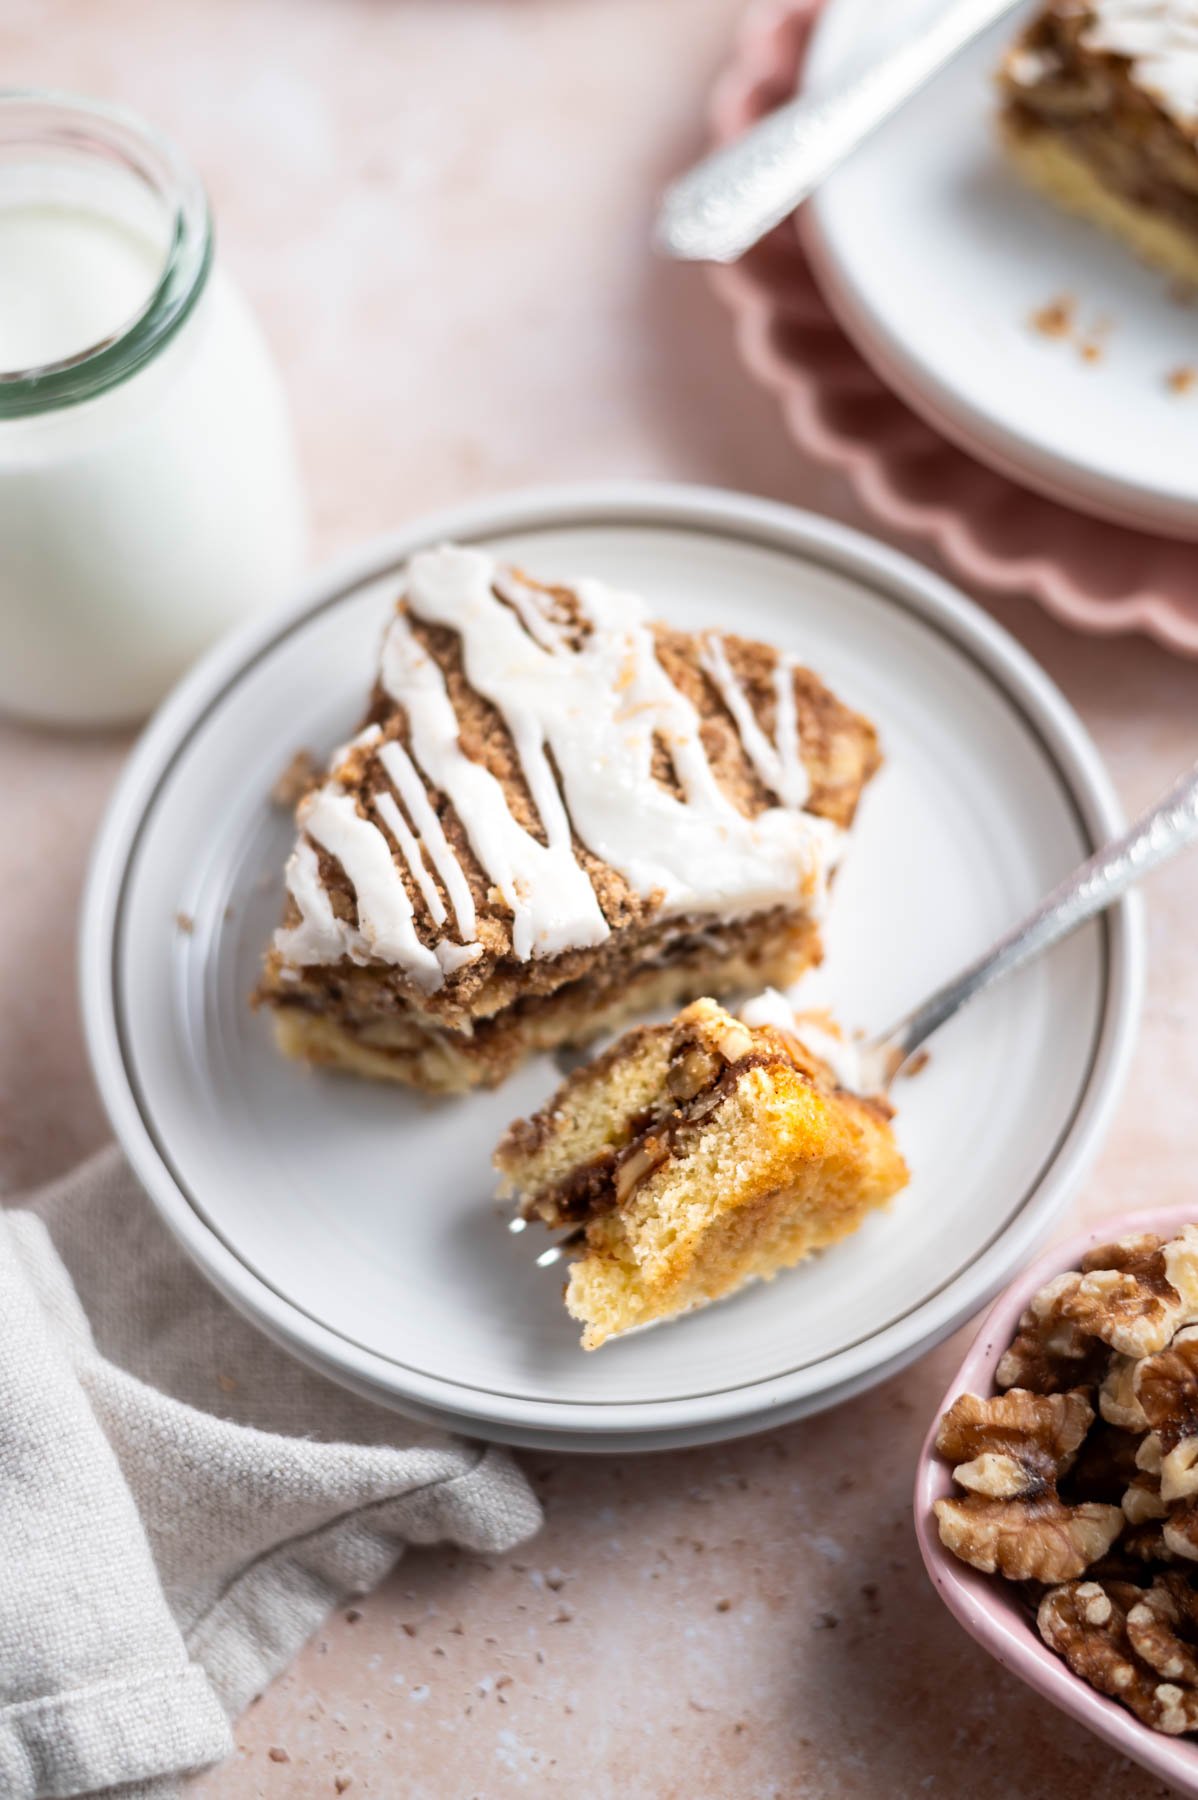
x=992, y=533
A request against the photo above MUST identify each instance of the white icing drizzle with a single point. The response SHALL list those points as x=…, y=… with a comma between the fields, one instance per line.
x=769, y=1008
x=395, y=822
x=587, y=718
x=1160, y=38
x=399, y=767
x=796, y=782
x=552, y=902
x=456, y=956
x=779, y=764
x=369, y=735
x=842, y=1057
x=331, y=819
x=530, y=607
x=397, y=825
x=598, y=710
x=320, y=935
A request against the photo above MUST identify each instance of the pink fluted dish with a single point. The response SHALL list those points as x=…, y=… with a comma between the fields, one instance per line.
x=989, y=1607
x=994, y=534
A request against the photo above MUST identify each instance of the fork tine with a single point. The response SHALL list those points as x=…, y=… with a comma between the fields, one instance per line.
x=555, y=1252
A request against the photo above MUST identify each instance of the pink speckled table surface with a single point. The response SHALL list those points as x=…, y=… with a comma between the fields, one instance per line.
x=440, y=208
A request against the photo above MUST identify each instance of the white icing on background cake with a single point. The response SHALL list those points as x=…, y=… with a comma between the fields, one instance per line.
x=584, y=721
x=779, y=764
x=1161, y=39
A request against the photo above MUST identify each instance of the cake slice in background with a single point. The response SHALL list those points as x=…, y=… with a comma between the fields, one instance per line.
x=557, y=814
x=1100, y=112
x=694, y=1157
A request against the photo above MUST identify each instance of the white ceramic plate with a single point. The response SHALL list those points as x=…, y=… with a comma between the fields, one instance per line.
x=355, y=1222
x=934, y=255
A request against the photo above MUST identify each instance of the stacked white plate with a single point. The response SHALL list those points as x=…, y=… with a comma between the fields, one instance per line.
x=936, y=258
x=355, y=1222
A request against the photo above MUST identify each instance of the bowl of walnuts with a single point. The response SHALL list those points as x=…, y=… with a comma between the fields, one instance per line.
x=1056, y=1501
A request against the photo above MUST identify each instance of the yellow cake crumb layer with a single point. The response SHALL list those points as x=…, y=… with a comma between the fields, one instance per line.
x=782, y=1164
x=1047, y=163
x=781, y=1171
x=402, y=1048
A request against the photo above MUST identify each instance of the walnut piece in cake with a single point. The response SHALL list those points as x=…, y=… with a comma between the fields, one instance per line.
x=1100, y=113
x=694, y=1157
x=556, y=814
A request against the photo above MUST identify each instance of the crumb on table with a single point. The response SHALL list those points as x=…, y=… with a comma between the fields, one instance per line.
x=1182, y=379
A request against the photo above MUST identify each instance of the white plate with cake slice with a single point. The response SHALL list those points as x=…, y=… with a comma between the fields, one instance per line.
x=355, y=1220
x=1030, y=337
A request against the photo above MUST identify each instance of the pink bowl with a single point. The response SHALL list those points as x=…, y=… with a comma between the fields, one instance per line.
x=986, y=1605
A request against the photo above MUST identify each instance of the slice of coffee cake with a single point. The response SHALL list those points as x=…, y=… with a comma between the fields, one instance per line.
x=556, y=814
x=1100, y=111
x=694, y=1157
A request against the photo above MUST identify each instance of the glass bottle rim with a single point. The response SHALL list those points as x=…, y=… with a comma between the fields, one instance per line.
x=46, y=118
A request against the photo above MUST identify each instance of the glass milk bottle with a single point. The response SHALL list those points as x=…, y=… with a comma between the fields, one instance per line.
x=149, y=496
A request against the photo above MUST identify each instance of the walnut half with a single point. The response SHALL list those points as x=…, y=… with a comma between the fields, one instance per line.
x=1135, y=1293
x=1166, y=1388
x=1122, y=1640
x=1050, y=1353
x=1129, y=1296
x=1156, y=1624
x=1009, y=1452
x=1117, y=1401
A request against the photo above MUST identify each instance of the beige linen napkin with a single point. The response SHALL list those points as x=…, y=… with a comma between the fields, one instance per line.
x=180, y=1502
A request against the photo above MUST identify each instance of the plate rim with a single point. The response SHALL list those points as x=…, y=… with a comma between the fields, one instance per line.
x=1135, y=505
x=623, y=1424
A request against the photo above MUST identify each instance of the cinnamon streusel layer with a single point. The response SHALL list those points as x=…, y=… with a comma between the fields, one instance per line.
x=556, y=813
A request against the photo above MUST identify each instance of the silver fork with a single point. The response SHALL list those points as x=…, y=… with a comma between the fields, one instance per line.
x=1156, y=835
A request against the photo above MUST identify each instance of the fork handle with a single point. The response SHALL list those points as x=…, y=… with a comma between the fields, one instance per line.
x=724, y=205
x=1157, y=835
